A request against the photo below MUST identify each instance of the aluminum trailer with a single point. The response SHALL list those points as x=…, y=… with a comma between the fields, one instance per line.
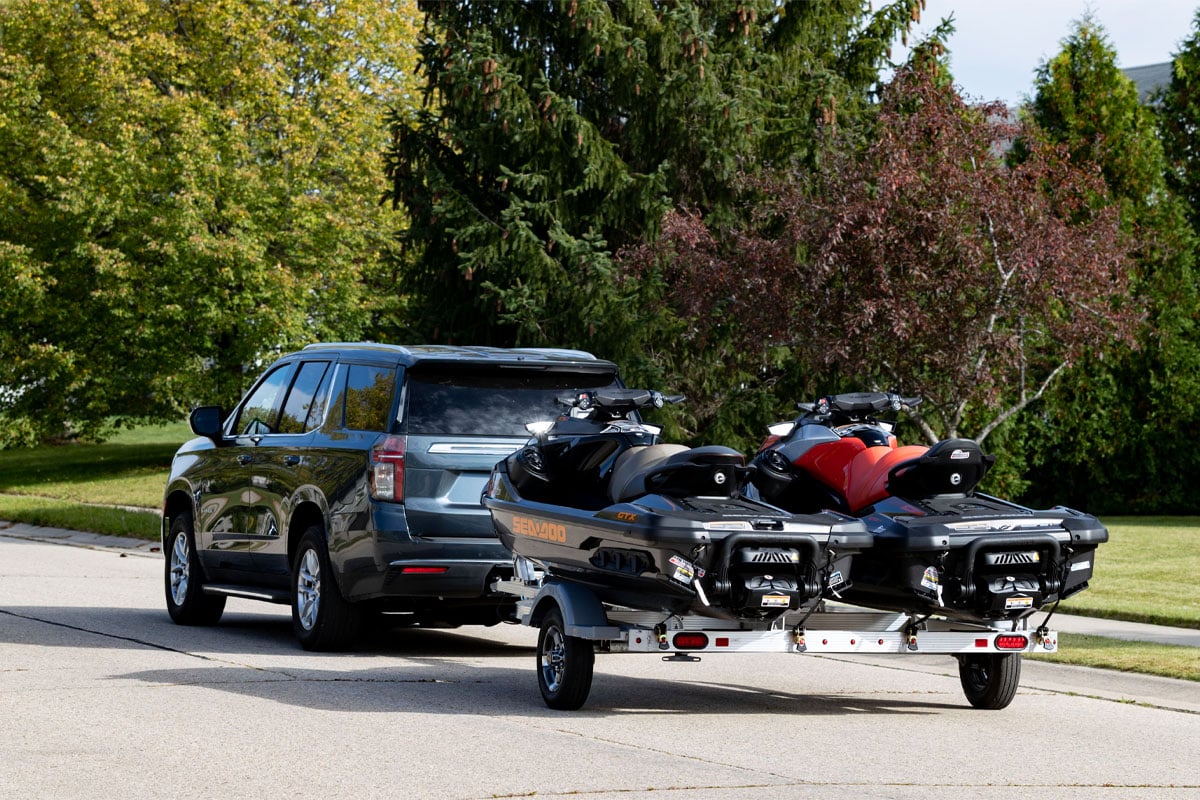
x=574, y=625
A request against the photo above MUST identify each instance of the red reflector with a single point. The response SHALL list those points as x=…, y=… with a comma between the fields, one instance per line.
x=424, y=570
x=1011, y=642
x=981, y=643
x=722, y=642
x=690, y=641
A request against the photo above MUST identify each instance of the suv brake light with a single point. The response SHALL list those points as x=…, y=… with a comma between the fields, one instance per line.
x=387, y=468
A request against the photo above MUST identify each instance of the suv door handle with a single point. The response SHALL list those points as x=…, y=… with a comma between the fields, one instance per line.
x=291, y=461
x=245, y=459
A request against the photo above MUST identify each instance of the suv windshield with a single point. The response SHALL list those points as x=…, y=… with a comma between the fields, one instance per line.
x=490, y=404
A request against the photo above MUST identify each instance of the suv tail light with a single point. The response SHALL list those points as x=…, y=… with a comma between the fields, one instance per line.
x=387, y=468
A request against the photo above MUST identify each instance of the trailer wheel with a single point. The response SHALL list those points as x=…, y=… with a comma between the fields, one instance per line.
x=990, y=681
x=564, y=664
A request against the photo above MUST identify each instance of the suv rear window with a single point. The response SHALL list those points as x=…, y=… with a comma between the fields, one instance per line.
x=490, y=404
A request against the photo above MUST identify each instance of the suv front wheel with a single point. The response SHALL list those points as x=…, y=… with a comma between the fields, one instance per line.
x=321, y=618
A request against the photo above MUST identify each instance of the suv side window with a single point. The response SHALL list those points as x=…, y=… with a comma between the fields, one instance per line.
x=369, y=391
x=261, y=409
x=304, y=408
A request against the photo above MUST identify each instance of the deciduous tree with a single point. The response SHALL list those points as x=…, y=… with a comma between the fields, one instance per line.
x=185, y=188
x=922, y=262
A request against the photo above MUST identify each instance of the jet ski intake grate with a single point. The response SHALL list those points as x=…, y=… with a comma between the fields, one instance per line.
x=767, y=555
x=774, y=558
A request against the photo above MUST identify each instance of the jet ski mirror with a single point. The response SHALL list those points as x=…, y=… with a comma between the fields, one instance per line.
x=540, y=428
x=781, y=429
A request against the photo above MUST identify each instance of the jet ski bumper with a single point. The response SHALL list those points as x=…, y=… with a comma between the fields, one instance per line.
x=1001, y=565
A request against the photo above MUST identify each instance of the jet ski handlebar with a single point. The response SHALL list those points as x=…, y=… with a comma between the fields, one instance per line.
x=616, y=403
x=855, y=406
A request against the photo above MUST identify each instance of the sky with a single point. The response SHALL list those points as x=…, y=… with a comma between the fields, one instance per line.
x=998, y=44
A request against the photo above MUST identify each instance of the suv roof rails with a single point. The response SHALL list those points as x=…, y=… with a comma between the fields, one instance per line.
x=435, y=350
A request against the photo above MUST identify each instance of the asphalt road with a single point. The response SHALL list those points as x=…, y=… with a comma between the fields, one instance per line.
x=101, y=696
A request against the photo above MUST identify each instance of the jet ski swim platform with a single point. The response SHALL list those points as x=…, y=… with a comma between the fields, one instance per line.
x=574, y=625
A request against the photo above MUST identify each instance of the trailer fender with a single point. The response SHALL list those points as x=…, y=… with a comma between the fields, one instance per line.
x=583, y=613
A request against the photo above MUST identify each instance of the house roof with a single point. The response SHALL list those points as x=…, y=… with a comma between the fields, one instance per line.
x=1149, y=79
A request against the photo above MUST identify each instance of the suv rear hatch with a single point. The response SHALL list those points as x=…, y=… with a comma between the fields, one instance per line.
x=460, y=419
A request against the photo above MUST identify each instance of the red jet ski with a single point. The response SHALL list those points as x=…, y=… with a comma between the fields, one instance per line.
x=940, y=547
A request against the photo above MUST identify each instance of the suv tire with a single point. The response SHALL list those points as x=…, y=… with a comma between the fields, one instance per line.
x=321, y=617
x=186, y=601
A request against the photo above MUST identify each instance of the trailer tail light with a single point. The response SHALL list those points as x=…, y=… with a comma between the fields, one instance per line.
x=690, y=641
x=1011, y=641
x=387, y=468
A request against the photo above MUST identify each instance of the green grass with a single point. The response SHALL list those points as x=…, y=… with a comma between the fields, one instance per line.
x=92, y=487
x=77, y=517
x=1147, y=572
x=1167, y=660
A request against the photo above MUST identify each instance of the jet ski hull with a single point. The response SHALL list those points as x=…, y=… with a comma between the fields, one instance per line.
x=722, y=557
x=977, y=558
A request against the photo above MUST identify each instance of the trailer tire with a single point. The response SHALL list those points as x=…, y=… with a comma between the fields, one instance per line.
x=564, y=664
x=990, y=680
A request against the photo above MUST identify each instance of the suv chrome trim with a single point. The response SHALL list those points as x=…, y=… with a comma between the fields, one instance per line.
x=270, y=595
x=462, y=448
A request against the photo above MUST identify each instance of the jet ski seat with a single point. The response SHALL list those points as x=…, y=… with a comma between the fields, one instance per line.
x=640, y=470
x=628, y=477
x=950, y=467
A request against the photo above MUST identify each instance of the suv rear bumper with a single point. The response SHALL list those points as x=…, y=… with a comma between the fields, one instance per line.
x=456, y=578
x=385, y=561
x=397, y=566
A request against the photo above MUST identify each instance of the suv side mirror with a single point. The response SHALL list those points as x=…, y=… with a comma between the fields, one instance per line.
x=206, y=421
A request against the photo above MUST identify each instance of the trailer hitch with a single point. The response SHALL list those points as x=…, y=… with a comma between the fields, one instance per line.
x=681, y=657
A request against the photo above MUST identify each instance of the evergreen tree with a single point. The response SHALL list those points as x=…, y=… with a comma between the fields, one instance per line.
x=1103, y=446
x=554, y=133
x=1179, y=116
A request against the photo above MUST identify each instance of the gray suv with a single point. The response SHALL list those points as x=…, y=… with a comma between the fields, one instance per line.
x=347, y=483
